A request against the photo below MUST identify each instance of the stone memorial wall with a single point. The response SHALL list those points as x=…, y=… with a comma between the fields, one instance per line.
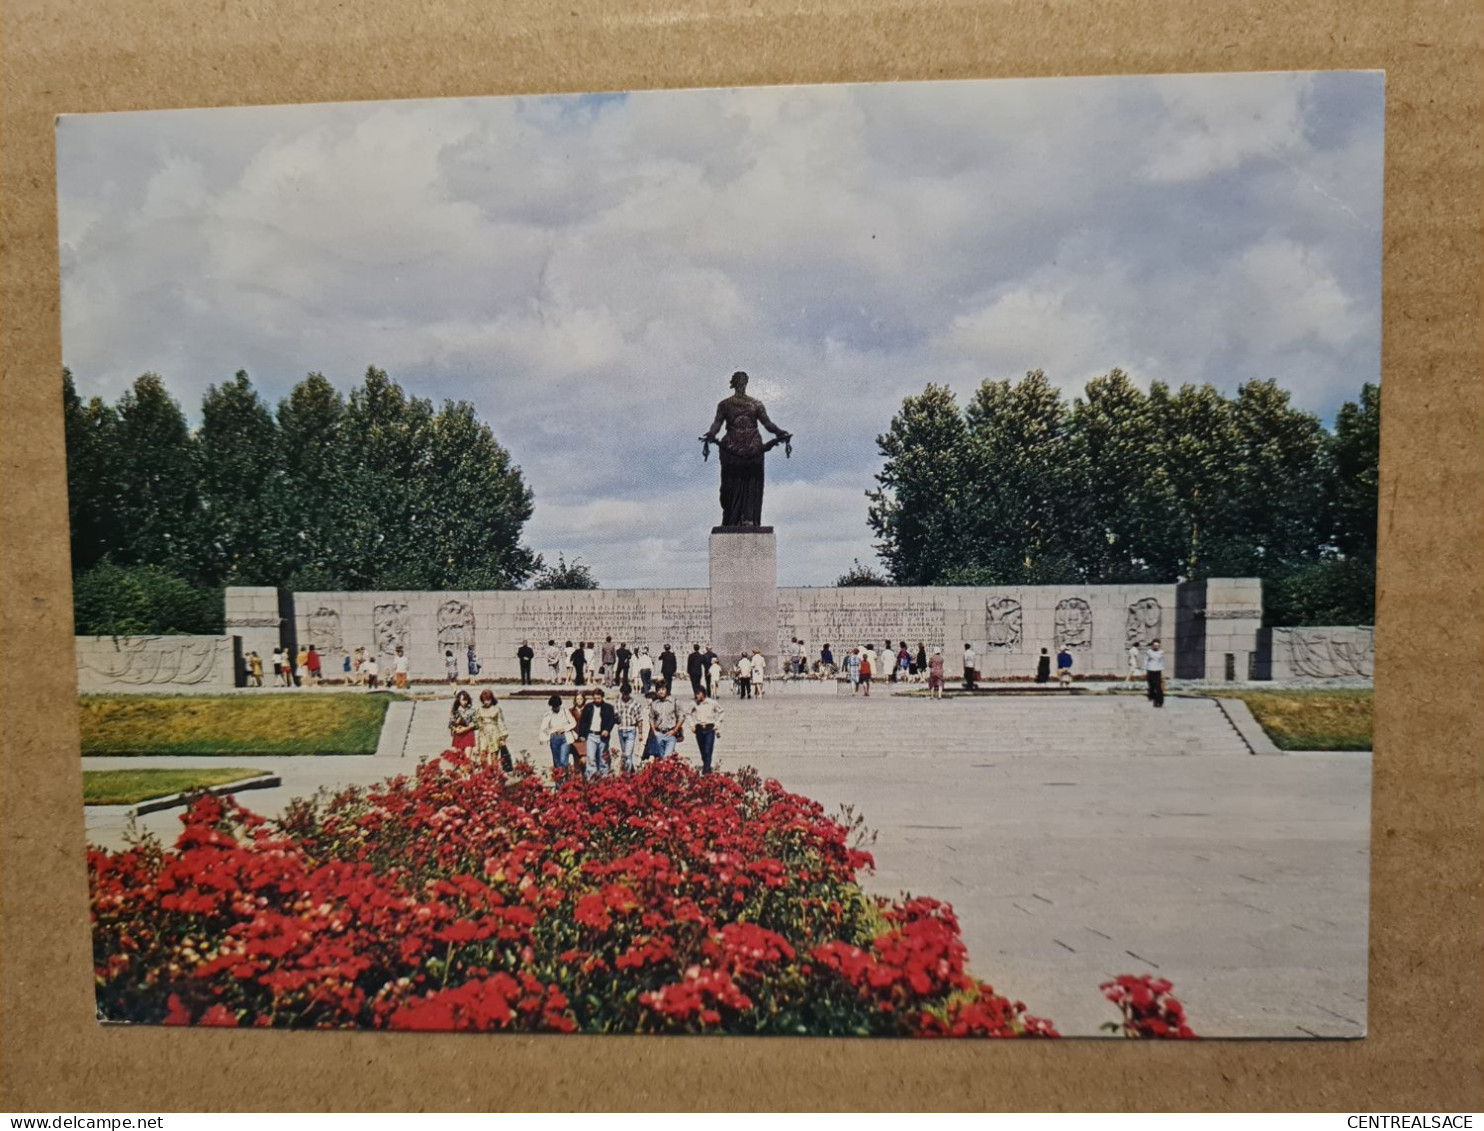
x=1322, y=653
x=156, y=663
x=1209, y=627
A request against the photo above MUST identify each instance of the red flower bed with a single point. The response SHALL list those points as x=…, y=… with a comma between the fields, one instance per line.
x=665, y=901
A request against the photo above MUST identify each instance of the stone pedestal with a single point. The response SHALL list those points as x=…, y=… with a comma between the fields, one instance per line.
x=744, y=593
x=255, y=615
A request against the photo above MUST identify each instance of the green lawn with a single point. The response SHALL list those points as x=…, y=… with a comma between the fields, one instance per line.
x=232, y=725
x=126, y=787
x=1311, y=720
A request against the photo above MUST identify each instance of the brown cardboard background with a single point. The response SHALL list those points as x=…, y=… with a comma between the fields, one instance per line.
x=1424, y=1048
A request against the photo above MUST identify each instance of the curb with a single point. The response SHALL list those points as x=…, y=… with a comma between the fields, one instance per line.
x=155, y=804
x=1241, y=718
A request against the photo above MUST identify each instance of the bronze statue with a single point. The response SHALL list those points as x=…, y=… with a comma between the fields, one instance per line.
x=741, y=453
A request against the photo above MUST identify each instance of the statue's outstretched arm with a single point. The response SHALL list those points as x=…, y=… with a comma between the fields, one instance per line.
x=717, y=423
x=762, y=418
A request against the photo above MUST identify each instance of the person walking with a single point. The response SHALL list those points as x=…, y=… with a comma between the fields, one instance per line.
x=853, y=670
x=645, y=663
x=695, y=669
x=450, y=667
x=744, y=677
x=567, y=656
x=277, y=666
x=471, y=662
x=371, y=671
x=313, y=664
x=556, y=731
x=935, y=674
x=461, y=722
x=490, y=732
x=922, y=660
x=1154, y=673
x=713, y=675
x=399, y=669
x=886, y=662
x=705, y=718
x=971, y=662
x=668, y=665
x=827, y=660
x=301, y=667
x=632, y=714
x=347, y=669
x=904, y=663
x=759, y=674
x=1043, y=667
x=666, y=722
x=525, y=654
x=594, y=729
x=866, y=659
x=255, y=669
x=554, y=661
x=579, y=665
x=609, y=655
x=357, y=666
x=1064, y=667
x=709, y=660
x=621, y=661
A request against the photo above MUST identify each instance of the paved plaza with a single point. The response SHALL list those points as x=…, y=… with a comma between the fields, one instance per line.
x=1078, y=837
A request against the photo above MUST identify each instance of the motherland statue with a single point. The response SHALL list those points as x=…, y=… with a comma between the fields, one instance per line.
x=741, y=453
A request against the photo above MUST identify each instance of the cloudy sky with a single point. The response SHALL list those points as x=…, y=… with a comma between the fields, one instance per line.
x=588, y=271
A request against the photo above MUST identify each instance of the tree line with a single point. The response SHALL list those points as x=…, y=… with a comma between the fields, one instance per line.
x=1022, y=486
x=375, y=490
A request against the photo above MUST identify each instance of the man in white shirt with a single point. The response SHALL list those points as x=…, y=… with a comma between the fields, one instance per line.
x=1154, y=672
x=554, y=661
x=705, y=720
x=399, y=669
x=971, y=663
x=644, y=665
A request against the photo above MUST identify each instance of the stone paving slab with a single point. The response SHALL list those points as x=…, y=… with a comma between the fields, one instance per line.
x=1109, y=849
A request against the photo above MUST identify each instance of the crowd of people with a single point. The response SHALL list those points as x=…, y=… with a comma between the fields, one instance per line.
x=595, y=737
x=615, y=666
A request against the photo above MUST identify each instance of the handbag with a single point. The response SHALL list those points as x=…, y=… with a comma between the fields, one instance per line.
x=507, y=763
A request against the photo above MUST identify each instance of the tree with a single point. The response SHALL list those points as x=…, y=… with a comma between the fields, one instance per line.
x=92, y=478
x=914, y=512
x=1355, y=452
x=158, y=500
x=858, y=575
x=563, y=575
x=241, y=521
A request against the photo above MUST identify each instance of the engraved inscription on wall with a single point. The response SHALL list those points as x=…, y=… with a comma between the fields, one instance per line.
x=1002, y=621
x=655, y=624
x=1073, y=625
x=1144, y=624
x=817, y=625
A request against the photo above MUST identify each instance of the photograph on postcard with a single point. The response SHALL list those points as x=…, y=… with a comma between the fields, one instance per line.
x=865, y=560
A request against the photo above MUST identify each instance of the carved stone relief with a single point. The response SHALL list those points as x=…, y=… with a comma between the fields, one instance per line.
x=1002, y=621
x=1144, y=624
x=151, y=660
x=324, y=630
x=455, y=626
x=1327, y=653
x=1073, y=625
x=390, y=623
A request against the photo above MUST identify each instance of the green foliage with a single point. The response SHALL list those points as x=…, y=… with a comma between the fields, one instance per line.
x=1020, y=487
x=290, y=723
x=563, y=575
x=142, y=600
x=128, y=787
x=1318, y=719
x=859, y=574
x=378, y=491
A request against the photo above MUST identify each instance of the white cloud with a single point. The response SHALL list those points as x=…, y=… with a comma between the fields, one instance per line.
x=589, y=271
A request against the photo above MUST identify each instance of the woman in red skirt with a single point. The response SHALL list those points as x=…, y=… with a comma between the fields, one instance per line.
x=462, y=721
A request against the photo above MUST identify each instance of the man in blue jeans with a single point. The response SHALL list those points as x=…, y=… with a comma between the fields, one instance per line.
x=630, y=715
x=705, y=718
x=593, y=728
x=665, y=720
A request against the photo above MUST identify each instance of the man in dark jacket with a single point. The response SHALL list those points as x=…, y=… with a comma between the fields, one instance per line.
x=708, y=657
x=695, y=668
x=593, y=730
x=622, y=658
x=525, y=654
x=668, y=664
